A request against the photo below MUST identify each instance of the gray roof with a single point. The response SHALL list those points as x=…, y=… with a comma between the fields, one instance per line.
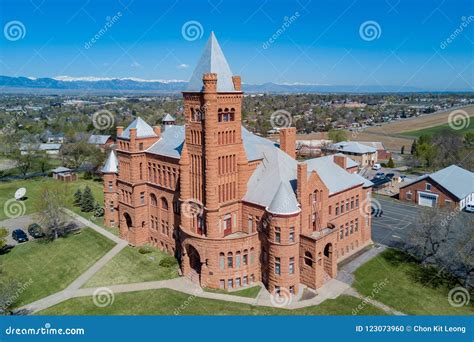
x=212, y=61
x=367, y=183
x=40, y=147
x=98, y=139
x=284, y=201
x=61, y=169
x=170, y=144
x=111, y=164
x=333, y=176
x=144, y=130
x=349, y=162
x=168, y=118
x=455, y=179
x=353, y=147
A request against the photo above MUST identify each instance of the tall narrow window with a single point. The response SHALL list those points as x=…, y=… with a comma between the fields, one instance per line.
x=230, y=260
x=292, y=234
x=277, y=266
x=277, y=235
x=222, y=260
x=292, y=266
x=237, y=260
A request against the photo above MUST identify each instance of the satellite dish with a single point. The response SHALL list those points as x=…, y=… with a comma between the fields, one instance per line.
x=20, y=193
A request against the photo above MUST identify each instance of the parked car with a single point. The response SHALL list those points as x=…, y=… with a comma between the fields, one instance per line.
x=5, y=249
x=376, y=212
x=36, y=231
x=376, y=166
x=19, y=236
x=390, y=175
x=469, y=208
x=379, y=175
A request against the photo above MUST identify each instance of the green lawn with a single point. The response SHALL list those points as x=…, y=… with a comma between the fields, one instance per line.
x=52, y=266
x=408, y=289
x=33, y=189
x=436, y=129
x=251, y=292
x=129, y=266
x=169, y=302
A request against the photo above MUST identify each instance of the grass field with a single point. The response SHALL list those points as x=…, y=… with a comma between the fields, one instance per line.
x=33, y=190
x=169, y=302
x=437, y=129
x=251, y=292
x=129, y=266
x=48, y=267
x=407, y=288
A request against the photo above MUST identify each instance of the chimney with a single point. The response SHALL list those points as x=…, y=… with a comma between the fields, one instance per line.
x=288, y=141
x=157, y=130
x=237, y=83
x=210, y=82
x=133, y=137
x=341, y=161
x=119, y=131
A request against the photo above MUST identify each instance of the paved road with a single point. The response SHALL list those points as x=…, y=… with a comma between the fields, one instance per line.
x=396, y=222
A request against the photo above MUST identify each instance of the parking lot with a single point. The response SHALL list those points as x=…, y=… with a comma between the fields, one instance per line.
x=22, y=223
x=396, y=222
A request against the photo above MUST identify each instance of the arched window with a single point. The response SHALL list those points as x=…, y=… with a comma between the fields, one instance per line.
x=237, y=259
x=153, y=200
x=245, y=259
x=230, y=260
x=164, y=203
x=221, y=260
x=308, y=259
x=252, y=255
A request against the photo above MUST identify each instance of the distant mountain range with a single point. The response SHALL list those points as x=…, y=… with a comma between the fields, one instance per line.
x=95, y=85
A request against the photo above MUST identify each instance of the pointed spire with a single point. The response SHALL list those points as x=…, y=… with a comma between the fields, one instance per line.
x=144, y=130
x=111, y=164
x=284, y=202
x=212, y=61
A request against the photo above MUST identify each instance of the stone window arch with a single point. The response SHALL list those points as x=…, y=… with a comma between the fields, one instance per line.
x=153, y=200
x=164, y=203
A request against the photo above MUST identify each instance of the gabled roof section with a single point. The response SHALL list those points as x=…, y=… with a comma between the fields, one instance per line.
x=284, y=202
x=144, y=130
x=353, y=147
x=212, y=61
x=455, y=179
x=168, y=118
x=111, y=164
x=97, y=139
x=170, y=144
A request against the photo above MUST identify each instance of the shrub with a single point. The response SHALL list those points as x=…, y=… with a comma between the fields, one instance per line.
x=168, y=261
x=99, y=210
x=145, y=250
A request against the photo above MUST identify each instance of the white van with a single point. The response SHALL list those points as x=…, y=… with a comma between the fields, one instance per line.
x=376, y=166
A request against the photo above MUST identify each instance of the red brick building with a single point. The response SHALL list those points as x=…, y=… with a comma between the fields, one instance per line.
x=231, y=206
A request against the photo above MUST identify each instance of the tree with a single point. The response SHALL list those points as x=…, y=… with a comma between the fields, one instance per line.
x=337, y=135
x=76, y=153
x=42, y=160
x=390, y=163
x=8, y=290
x=78, y=197
x=402, y=150
x=50, y=212
x=3, y=236
x=413, y=148
x=24, y=161
x=98, y=210
x=88, y=201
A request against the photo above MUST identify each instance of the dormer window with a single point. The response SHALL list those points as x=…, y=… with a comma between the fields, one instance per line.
x=428, y=187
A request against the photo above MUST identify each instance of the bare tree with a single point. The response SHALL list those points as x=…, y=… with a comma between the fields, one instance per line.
x=50, y=211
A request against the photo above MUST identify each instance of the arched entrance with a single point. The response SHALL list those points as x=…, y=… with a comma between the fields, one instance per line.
x=128, y=220
x=327, y=259
x=194, y=264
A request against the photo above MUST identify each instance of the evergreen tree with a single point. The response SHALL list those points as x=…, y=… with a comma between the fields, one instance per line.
x=402, y=150
x=390, y=163
x=98, y=210
x=87, y=202
x=413, y=147
x=78, y=197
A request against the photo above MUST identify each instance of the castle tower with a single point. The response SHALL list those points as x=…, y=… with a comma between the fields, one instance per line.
x=212, y=105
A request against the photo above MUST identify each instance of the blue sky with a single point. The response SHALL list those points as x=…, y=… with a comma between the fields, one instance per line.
x=323, y=44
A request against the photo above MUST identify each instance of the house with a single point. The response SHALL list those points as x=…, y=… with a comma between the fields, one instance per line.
x=231, y=206
x=452, y=186
x=50, y=149
x=382, y=153
x=64, y=174
x=100, y=141
x=366, y=156
x=52, y=138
